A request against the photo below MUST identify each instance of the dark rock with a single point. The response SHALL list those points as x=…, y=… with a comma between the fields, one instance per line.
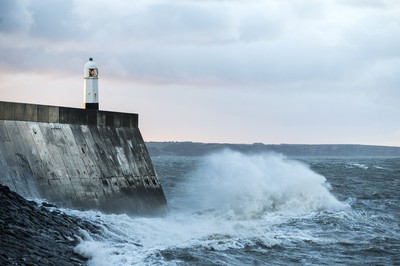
x=48, y=205
x=33, y=235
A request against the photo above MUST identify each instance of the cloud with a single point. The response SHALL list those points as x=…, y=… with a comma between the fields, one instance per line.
x=14, y=16
x=257, y=42
x=53, y=20
x=333, y=63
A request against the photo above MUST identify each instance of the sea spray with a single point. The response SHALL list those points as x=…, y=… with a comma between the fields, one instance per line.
x=248, y=186
x=230, y=206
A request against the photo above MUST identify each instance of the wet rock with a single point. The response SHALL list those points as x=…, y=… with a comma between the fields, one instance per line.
x=33, y=235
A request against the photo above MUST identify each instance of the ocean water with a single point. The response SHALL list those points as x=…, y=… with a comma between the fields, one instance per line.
x=230, y=208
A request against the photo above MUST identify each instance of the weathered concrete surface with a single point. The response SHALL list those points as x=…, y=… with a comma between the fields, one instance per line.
x=77, y=158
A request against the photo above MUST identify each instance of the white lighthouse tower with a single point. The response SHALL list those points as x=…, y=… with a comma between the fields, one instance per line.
x=91, y=85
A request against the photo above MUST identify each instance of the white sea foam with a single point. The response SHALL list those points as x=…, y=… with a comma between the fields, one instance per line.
x=248, y=186
x=356, y=165
x=233, y=201
x=380, y=167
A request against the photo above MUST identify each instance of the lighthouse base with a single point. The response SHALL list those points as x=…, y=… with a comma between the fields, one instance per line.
x=92, y=106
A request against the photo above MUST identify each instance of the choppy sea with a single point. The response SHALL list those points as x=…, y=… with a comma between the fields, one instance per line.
x=230, y=208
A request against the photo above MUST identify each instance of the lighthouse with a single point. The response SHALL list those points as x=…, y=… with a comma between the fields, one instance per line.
x=91, y=85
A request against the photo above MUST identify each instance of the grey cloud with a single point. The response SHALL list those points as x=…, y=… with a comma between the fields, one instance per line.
x=14, y=16
x=256, y=63
x=320, y=72
x=167, y=22
x=312, y=9
x=38, y=59
x=53, y=19
x=258, y=28
x=188, y=41
x=379, y=37
x=364, y=3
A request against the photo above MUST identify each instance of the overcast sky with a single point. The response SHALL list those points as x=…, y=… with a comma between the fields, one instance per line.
x=238, y=71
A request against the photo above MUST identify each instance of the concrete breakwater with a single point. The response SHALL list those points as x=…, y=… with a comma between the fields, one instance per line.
x=77, y=158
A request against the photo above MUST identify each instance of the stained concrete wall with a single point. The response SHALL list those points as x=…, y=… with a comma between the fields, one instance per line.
x=78, y=158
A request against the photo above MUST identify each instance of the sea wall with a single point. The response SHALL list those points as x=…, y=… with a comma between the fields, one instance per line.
x=77, y=158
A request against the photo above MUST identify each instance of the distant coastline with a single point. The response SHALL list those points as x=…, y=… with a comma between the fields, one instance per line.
x=199, y=149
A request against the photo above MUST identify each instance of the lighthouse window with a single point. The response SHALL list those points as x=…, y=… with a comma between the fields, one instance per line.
x=93, y=72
